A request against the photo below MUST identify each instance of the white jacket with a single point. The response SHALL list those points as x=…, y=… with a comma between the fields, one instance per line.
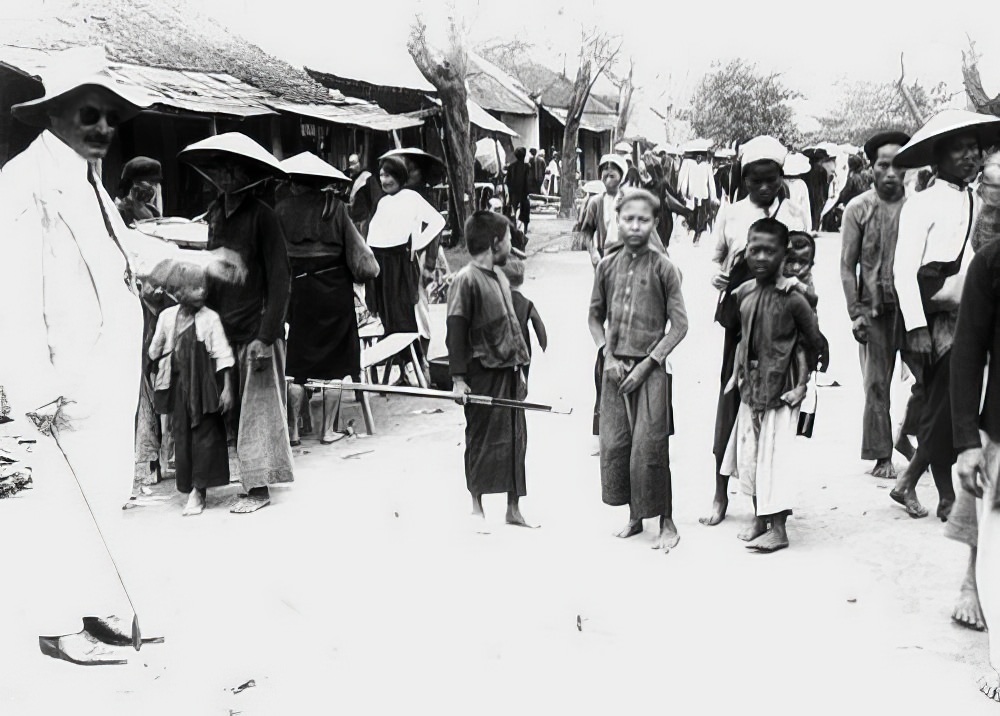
x=932, y=228
x=61, y=269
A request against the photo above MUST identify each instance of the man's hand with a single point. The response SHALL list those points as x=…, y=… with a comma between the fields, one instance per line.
x=260, y=354
x=461, y=390
x=637, y=376
x=720, y=281
x=972, y=470
x=919, y=340
x=794, y=396
x=595, y=258
x=860, y=329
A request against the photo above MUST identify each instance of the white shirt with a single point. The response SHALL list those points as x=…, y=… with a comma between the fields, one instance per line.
x=553, y=168
x=798, y=194
x=402, y=217
x=932, y=227
x=207, y=329
x=733, y=224
x=696, y=180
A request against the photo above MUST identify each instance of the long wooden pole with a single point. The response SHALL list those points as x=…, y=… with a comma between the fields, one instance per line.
x=346, y=385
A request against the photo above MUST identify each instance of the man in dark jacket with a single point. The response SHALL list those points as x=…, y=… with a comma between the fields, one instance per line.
x=518, y=185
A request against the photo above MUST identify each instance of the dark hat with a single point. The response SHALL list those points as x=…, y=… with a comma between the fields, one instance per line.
x=881, y=139
x=139, y=169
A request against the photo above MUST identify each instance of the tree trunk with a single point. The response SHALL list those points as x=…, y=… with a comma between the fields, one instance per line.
x=974, y=83
x=459, y=158
x=569, y=168
x=625, y=105
x=448, y=75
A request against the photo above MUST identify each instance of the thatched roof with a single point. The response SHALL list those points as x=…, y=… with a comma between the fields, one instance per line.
x=170, y=34
x=554, y=88
x=493, y=89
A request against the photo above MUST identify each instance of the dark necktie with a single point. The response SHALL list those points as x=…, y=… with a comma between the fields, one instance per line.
x=107, y=225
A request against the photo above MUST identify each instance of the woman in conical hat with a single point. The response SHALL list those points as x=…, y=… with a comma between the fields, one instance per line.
x=323, y=339
x=253, y=314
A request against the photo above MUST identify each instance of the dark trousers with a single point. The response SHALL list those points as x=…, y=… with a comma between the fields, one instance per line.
x=878, y=360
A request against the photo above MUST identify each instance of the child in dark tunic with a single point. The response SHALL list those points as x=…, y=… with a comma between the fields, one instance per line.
x=525, y=309
x=487, y=354
x=192, y=361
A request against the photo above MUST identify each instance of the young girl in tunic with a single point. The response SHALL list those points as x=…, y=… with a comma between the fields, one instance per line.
x=191, y=359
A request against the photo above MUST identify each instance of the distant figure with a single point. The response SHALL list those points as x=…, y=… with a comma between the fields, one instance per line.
x=552, y=175
x=365, y=194
x=518, y=186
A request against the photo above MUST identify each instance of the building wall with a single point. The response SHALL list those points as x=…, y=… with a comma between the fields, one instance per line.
x=527, y=129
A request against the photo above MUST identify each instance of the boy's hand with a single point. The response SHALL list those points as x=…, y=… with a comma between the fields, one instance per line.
x=637, y=376
x=860, y=329
x=972, y=470
x=461, y=390
x=794, y=396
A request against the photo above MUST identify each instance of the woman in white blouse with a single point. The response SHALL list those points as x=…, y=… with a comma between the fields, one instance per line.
x=403, y=224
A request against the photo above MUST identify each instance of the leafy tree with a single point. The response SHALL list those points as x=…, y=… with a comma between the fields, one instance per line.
x=738, y=101
x=863, y=108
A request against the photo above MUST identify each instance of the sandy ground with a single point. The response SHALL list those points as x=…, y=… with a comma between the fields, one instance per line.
x=364, y=590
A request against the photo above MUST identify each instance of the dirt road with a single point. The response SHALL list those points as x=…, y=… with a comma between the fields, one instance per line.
x=364, y=590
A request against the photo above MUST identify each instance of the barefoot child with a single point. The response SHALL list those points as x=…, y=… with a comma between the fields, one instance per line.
x=637, y=314
x=773, y=322
x=193, y=384
x=487, y=354
x=524, y=308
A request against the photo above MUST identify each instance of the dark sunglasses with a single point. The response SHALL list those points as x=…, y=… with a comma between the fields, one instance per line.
x=89, y=116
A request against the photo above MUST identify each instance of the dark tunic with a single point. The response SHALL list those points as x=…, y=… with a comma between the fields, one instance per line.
x=977, y=343
x=487, y=347
x=256, y=308
x=323, y=339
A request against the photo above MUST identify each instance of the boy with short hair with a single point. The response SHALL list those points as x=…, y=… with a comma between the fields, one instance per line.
x=487, y=354
x=774, y=321
x=637, y=315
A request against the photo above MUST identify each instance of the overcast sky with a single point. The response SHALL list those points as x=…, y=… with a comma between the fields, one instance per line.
x=851, y=39
x=673, y=43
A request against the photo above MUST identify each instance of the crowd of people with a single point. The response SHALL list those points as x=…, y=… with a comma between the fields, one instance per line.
x=110, y=319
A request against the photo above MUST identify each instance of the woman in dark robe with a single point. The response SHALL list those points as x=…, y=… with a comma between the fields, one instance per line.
x=323, y=341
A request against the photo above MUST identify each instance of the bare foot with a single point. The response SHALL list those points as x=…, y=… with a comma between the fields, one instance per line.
x=884, y=469
x=944, y=508
x=989, y=684
x=251, y=502
x=477, y=507
x=668, y=538
x=718, y=513
x=514, y=517
x=195, y=503
x=755, y=530
x=770, y=541
x=909, y=500
x=967, y=611
x=633, y=528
